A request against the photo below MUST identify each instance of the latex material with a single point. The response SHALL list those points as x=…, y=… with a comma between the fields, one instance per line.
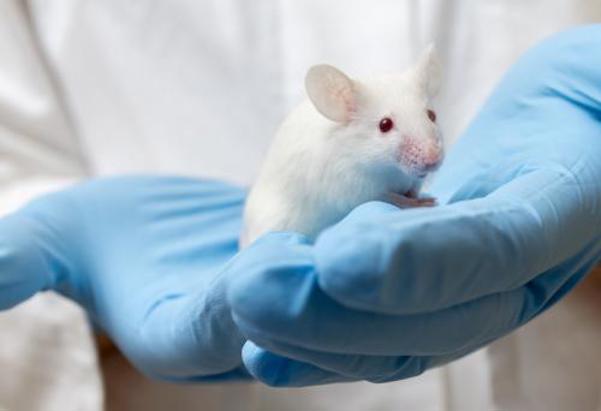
x=143, y=256
x=387, y=294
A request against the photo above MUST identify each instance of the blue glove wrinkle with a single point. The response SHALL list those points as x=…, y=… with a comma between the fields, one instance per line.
x=185, y=327
x=546, y=289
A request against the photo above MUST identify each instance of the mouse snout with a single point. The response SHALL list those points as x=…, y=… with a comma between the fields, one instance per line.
x=421, y=156
x=432, y=156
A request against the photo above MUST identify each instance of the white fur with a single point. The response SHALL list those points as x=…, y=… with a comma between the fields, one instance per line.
x=318, y=169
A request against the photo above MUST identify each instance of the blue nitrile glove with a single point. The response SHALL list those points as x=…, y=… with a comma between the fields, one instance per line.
x=143, y=256
x=389, y=293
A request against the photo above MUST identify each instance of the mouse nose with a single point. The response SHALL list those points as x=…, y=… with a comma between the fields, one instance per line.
x=432, y=157
x=421, y=155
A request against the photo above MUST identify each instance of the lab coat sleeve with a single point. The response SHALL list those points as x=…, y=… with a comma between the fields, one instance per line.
x=38, y=147
x=45, y=343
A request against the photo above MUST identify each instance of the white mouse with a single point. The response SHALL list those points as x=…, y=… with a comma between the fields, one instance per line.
x=350, y=142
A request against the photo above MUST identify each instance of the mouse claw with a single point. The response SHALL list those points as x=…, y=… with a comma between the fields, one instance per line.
x=402, y=201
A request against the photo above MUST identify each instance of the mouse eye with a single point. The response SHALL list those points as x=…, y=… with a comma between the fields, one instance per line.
x=386, y=124
x=432, y=116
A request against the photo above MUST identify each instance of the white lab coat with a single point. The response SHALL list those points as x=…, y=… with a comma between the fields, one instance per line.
x=197, y=87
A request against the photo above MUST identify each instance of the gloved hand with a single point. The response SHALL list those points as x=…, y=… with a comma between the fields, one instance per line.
x=387, y=293
x=143, y=256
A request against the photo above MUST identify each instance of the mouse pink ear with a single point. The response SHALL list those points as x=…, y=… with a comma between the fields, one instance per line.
x=428, y=71
x=331, y=91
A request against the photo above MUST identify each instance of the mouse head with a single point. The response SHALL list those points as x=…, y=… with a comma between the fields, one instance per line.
x=385, y=122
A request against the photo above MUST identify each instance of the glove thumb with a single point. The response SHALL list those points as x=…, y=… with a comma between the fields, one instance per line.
x=24, y=264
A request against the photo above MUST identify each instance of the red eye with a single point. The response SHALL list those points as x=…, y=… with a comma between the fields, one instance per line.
x=386, y=124
x=432, y=116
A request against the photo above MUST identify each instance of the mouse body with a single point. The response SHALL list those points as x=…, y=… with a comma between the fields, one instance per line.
x=350, y=142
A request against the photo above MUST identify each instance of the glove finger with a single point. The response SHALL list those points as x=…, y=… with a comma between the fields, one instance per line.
x=278, y=371
x=414, y=261
x=288, y=306
x=280, y=364
x=25, y=263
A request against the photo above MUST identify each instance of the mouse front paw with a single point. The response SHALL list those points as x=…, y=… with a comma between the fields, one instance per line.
x=409, y=201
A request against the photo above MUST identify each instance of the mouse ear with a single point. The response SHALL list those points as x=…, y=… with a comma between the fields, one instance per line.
x=428, y=71
x=331, y=91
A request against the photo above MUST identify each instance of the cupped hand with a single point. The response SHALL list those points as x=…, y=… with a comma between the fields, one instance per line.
x=388, y=293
